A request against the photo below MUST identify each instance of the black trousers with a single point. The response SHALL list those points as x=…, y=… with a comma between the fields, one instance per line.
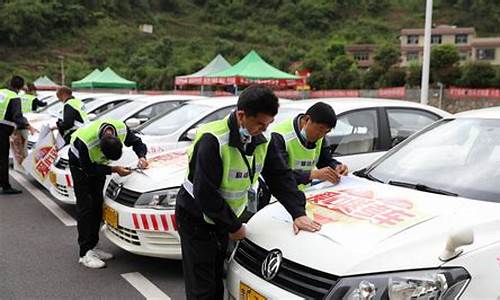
x=4, y=157
x=89, y=199
x=203, y=252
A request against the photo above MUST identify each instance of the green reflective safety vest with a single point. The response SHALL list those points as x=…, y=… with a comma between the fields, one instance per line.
x=5, y=96
x=78, y=106
x=89, y=135
x=299, y=157
x=236, y=181
x=27, y=102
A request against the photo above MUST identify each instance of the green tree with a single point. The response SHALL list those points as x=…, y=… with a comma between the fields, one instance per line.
x=343, y=73
x=478, y=75
x=387, y=55
x=414, y=75
x=372, y=76
x=444, y=64
x=394, y=77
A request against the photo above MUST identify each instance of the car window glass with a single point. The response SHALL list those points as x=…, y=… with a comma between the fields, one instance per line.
x=175, y=119
x=100, y=109
x=405, y=122
x=355, y=132
x=217, y=115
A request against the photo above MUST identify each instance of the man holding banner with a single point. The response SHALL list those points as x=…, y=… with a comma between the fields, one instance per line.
x=11, y=117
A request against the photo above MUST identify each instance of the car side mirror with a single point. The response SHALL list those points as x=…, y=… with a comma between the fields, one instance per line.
x=191, y=134
x=92, y=117
x=133, y=122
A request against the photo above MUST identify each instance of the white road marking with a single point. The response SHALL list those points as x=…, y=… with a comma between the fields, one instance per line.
x=62, y=215
x=144, y=286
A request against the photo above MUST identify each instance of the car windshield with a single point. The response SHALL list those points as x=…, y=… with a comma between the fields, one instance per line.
x=176, y=119
x=458, y=156
x=121, y=110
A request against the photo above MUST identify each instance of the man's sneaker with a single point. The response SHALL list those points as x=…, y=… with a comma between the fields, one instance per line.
x=91, y=260
x=103, y=255
x=10, y=191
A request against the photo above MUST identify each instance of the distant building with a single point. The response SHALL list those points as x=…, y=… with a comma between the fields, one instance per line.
x=470, y=47
x=486, y=49
x=412, y=42
x=362, y=54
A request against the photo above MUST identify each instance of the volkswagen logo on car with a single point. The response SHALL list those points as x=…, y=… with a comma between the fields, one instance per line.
x=116, y=191
x=271, y=264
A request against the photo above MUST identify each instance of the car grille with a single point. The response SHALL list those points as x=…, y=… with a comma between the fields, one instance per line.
x=125, y=197
x=160, y=239
x=293, y=277
x=61, y=189
x=30, y=145
x=62, y=163
x=128, y=235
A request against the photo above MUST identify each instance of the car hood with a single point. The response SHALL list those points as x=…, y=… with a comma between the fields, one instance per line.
x=166, y=170
x=373, y=227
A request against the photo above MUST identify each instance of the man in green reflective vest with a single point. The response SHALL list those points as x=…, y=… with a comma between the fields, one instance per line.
x=225, y=161
x=11, y=117
x=29, y=100
x=74, y=116
x=301, y=141
x=92, y=148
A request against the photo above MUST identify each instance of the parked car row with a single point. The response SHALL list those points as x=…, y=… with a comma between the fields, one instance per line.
x=417, y=217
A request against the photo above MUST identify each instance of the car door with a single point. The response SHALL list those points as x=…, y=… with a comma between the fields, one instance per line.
x=355, y=141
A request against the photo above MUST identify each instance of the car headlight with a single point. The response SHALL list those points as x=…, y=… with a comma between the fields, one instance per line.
x=163, y=199
x=446, y=283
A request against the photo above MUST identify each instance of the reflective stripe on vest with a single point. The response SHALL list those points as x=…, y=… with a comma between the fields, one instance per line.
x=78, y=106
x=299, y=157
x=5, y=97
x=89, y=135
x=236, y=181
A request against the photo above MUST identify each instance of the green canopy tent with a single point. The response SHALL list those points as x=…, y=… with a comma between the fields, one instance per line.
x=44, y=83
x=86, y=81
x=219, y=63
x=253, y=69
x=105, y=79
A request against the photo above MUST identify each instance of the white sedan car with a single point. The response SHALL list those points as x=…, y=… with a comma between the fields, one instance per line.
x=140, y=110
x=139, y=208
x=422, y=222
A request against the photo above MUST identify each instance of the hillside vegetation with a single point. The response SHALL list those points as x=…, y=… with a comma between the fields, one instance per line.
x=35, y=34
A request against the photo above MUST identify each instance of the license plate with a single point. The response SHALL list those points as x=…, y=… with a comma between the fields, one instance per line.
x=247, y=293
x=110, y=216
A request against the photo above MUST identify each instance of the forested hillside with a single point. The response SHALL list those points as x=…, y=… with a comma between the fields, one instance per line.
x=35, y=34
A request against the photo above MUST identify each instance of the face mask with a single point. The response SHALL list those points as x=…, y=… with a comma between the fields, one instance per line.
x=303, y=133
x=245, y=135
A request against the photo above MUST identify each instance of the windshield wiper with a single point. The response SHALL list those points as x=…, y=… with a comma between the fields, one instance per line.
x=421, y=187
x=362, y=173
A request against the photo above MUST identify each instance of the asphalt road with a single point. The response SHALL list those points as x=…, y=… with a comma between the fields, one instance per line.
x=39, y=258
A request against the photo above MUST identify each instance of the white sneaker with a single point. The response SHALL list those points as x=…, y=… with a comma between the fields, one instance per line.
x=91, y=260
x=103, y=255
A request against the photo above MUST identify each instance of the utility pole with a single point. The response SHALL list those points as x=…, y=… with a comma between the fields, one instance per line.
x=424, y=90
x=62, y=69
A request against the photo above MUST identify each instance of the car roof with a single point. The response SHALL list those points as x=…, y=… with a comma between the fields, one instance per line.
x=487, y=113
x=163, y=98
x=341, y=105
x=217, y=102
